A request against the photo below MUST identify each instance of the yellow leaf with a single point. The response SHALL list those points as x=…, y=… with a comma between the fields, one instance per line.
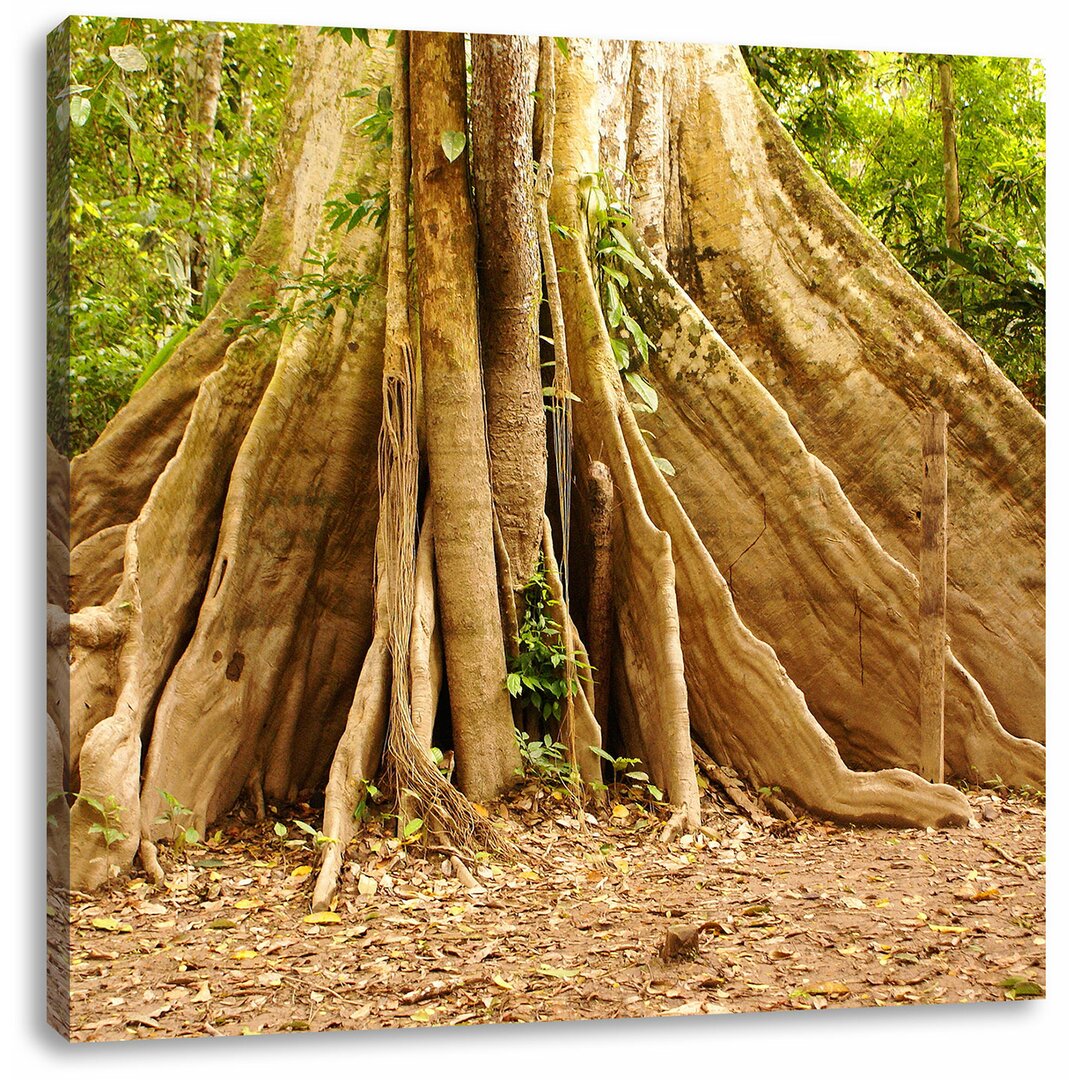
x=829, y=988
x=244, y=954
x=619, y=811
x=323, y=917
x=557, y=973
x=301, y=871
x=481, y=810
x=622, y=865
x=506, y=984
x=986, y=894
x=112, y=925
x=881, y=903
x=530, y=875
x=948, y=929
x=246, y=904
x=456, y=909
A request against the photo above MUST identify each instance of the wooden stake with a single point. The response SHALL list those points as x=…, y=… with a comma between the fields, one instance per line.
x=932, y=571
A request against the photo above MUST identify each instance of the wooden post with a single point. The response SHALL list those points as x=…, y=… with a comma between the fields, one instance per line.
x=932, y=571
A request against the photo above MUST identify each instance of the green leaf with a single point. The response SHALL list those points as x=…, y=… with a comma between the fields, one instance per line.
x=562, y=46
x=120, y=111
x=513, y=683
x=128, y=57
x=280, y=829
x=412, y=828
x=160, y=357
x=79, y=110
x=644, y=390
x=622, y=353
x=453, y=142
x=664, y=465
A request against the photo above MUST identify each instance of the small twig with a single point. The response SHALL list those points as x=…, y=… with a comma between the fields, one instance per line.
x=439, y=989
x=1009, y=858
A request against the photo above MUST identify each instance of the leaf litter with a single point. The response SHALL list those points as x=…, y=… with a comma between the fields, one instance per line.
x=594, y=918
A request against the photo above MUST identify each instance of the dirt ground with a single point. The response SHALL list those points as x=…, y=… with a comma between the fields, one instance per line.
x=596, y=918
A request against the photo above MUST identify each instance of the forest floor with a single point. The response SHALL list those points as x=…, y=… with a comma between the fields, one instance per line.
x=803, y=915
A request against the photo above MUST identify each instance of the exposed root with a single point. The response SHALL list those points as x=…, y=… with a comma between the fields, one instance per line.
x=425, y=642
x=732, y=788
x=677, y=824
x=356, y=759
x=148, y=856
x=733, y=448
x=600, y=499
x=580, y=730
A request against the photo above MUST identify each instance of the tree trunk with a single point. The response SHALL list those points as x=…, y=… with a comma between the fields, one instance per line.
x=205, y=98
x=457, y=451
x=232, y=627
x=504, y=76
x=948, y=147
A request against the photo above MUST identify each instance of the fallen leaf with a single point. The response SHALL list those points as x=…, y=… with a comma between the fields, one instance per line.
x=558, y=973
x=1016, y=987
x=301, y=871
x=244, y=954
x=112, y=925
x=619, y=811
x=322, y=917
x=203, y=993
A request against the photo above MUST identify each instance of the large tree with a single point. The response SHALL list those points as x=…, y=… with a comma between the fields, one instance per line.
x=579, y=360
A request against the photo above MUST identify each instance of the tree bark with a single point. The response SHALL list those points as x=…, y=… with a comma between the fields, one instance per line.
x=508, y=264
x=456, y=438
x=950, y=164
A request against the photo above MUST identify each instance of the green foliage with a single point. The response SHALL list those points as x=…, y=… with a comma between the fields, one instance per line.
x=622, y=770
x=543, y=759
x=131, y=203
x=453, y=143
x=319, y=292
x=870, y=125
x=316, y=836
x=356, y=208
x=110, y=812
x=368, y=793
x=175, y=815
x=616, y=270
x=537, y=674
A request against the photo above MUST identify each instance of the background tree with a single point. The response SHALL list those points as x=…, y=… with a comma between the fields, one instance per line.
x=150, y=250
x=727, y=342
x=872, y=125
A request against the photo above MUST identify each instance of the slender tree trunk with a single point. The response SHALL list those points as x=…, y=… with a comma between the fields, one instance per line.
x=504, y=75
x=456, y=438
x=951, y=166
x=205, y=97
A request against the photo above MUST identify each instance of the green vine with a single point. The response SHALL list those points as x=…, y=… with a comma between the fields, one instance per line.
x=613, y=259
x=537, y=674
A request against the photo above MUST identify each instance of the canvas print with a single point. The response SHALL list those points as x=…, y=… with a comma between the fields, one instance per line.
x=539, y=529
